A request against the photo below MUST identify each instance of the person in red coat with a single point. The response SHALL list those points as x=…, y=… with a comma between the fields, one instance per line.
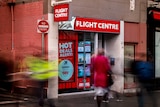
x=101, y=66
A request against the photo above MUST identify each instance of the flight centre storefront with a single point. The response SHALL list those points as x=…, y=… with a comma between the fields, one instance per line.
x=153, y=41
x=78, y=40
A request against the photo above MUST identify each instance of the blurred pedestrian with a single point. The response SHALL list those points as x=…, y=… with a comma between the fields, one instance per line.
x=40, y=71
x=144, y=72
x=101, y=67
x=6, y=67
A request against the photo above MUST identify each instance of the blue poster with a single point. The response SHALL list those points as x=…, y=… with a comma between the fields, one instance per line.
x=65, y=70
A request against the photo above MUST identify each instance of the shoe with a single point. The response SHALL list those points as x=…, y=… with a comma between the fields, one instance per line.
x=110, y=97
x=105, y=101
x=118, y=100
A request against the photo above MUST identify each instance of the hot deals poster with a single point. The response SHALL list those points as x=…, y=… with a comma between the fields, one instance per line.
x=66, y=61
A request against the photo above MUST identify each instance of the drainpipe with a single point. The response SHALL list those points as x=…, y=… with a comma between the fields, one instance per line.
x=11, y=4
x=12, y=13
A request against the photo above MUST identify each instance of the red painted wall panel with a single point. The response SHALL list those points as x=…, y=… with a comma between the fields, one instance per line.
x=131, y=33
x=136, y=33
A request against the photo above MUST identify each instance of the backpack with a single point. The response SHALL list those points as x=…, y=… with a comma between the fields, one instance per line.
x=144, y=70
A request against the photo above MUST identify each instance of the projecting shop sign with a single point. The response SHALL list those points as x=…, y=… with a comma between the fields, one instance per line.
x=61, y=12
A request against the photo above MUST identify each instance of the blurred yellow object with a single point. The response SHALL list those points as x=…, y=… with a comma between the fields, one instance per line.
x=41, y=69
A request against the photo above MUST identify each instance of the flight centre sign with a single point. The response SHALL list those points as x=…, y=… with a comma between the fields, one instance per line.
x=90, y=24
x=61, y=12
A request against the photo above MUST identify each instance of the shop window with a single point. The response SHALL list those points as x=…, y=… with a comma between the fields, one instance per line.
x=85, y=50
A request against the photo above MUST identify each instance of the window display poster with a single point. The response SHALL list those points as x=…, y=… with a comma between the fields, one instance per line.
x=80, y=71
x=66, y=61
x=65, y=70
x=80, y=46
x=84, y=46
x=87, y=71
x=87, y=46
x=88, y=58
x=80, y=58
x=84, y=72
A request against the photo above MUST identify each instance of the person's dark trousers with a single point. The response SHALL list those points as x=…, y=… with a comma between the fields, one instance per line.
x=140, y=98
x=99, y=100
x=146, y=85
x=51, y=103
x=105, y=97
x=41, y=93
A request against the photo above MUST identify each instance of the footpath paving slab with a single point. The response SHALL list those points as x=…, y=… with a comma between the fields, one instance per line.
x=84, y=100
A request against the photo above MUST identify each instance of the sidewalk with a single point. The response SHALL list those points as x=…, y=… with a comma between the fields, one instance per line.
x=81, y=99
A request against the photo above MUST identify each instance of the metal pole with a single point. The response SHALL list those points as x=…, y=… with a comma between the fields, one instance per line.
x=43, y=45
x=84, y=62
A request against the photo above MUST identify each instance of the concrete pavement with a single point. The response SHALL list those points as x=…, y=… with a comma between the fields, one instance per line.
x=80, y=99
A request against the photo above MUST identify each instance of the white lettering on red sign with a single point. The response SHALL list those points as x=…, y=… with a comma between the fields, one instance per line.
x=97, y=25
x=108, y=26
x=65, y=49
x=61, y=12
x=86, y=24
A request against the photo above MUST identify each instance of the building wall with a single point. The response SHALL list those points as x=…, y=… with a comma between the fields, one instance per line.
x=26, y=13
x=110, y=9
x=135, y=21
x=5, y=28
x=24, y=38
x=136, y=33
x=27, y=40
x=26, y=16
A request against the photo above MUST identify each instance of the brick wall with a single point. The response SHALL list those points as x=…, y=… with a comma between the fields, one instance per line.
x=5, y=28
x=25, y=36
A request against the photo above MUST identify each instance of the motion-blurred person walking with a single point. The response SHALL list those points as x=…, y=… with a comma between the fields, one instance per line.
x=144, y=72
x=101, y=67
x=40, y=71
x=6, y=67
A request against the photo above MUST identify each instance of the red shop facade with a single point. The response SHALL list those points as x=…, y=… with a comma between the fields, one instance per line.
x=78, y=40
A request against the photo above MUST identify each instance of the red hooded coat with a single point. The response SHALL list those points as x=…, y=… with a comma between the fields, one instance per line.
x=101, y=67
